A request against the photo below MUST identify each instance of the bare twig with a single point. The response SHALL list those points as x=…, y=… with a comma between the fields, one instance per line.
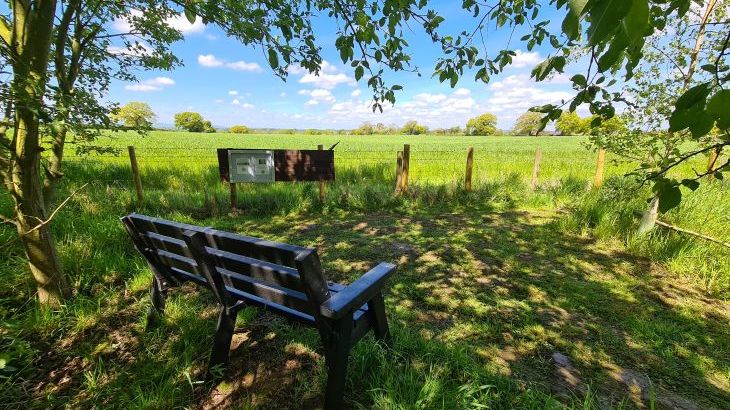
x=48, y=220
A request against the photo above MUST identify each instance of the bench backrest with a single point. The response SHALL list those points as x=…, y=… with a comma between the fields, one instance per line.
x=236, y=267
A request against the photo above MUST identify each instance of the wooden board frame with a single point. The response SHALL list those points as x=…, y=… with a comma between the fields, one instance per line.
x=289, y=165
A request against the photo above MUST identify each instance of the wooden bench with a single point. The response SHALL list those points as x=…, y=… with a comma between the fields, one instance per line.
x=283, y=279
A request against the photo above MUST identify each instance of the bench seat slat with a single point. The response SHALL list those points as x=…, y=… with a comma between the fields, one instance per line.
x=184, y=275
x=167, y=243
x=265, y=271
x=268, y=251
x=277, y=295
x=164, y=227
x=174, y=260
x=249, y=299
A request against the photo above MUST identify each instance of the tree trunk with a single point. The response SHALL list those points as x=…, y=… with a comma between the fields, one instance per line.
x=30, y=212
x=31, y=43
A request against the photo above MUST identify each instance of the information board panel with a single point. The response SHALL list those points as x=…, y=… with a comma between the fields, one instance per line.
x=251, y=166
x=265, y=166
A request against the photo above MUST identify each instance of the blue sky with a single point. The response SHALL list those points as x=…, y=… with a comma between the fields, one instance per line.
x=230, y=83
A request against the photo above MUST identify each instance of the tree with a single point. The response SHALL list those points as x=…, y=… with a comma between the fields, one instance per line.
x=528, y=124
x=485, y=124
x=71, y=40
x=190, y=121
x=672, y=86
x=208, y=127
x=135, y=115
x=239, y=129
x=365, y=128
x=570, y=123
x=413, y=128
x=614, y=126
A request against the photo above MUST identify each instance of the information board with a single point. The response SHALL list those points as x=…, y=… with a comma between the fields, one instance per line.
x=251, y=166
x=266, y=166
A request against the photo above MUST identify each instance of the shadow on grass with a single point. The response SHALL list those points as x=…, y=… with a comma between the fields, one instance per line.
x=484, y=298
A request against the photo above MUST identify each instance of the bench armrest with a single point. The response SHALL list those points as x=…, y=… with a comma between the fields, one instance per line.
x=357, y=293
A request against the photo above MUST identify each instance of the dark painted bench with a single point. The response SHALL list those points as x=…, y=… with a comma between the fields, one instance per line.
x=283, y=279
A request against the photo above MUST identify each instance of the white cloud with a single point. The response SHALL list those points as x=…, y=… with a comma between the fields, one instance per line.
x=181, y=23
x=523, y=59
x=283, y=94
x=244, y=66
x=235, y=102
x=209, y=60
x=324, y=80
x=461, y=92
x=153, y=84
x=356, y=93
x=318, y=95
x=248, y=106
x=233, y=92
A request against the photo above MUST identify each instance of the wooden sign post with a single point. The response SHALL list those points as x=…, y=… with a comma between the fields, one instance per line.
x=320, y=147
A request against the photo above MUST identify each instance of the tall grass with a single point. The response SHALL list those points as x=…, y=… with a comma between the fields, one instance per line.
x=610, y=213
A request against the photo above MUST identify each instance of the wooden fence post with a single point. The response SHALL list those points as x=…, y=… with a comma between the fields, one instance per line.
x=536, y=169
x=234, y=197
x=469, y=168
x=135, y=174
x=399, y=172
x=600, y=164
x=712, y=160
x=406, y=166
x=321, y=182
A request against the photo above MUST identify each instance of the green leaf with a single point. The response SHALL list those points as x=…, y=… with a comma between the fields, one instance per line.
x=190, y=14
x=570, y=26
x=637, y=19
x=691, y=184
x=273, y=58
x=579, y=79
x=605, y=17
x=702, y=124
x=692, y=96
x=681, y=119
x=359, y=71
x=719, y=107
x=577, y=6
x=670, y=196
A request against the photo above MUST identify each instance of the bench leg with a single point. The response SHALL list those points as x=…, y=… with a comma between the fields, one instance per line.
x=158, y=294
x=221, y=343
x=337, y=352
x=376, y=307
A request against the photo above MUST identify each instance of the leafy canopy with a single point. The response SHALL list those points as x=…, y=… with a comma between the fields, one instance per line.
x=528, y=123
x=190, y=121
x=485, y=124
x=413, y=128
x=135, y=115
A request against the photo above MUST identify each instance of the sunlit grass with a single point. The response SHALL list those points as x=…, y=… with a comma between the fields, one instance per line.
x=490, y=282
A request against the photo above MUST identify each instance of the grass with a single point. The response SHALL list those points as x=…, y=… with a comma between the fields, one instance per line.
x=493, y=286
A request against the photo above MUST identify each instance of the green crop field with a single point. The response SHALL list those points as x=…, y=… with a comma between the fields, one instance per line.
x=434, y=159
x=504, y=297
